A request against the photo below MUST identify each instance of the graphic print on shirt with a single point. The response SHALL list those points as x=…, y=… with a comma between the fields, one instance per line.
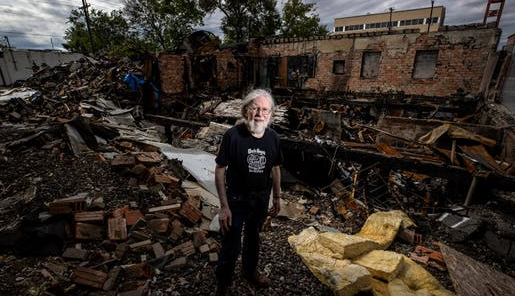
x=256, y=159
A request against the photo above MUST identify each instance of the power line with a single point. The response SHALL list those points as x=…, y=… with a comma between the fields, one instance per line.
x=31, y=34
x=64, y=3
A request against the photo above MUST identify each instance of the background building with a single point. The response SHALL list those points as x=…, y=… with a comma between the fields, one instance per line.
x=430, y=18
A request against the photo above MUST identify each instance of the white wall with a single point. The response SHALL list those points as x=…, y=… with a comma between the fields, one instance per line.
x=16, y=64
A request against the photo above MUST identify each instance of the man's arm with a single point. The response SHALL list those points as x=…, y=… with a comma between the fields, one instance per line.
x=276, y=189
x=225, y=215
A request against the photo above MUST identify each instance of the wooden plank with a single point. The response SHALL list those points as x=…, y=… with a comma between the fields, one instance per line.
x=473, y=278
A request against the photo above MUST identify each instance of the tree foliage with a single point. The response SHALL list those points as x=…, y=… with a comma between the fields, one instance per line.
x=245, y=19
x=163, y=24
x=300, y=20
x=109, y=32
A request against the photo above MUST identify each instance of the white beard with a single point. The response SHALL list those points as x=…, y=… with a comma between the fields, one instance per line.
x=257, y=128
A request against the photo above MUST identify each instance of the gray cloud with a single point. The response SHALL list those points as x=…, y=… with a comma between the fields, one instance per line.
x=45, y=19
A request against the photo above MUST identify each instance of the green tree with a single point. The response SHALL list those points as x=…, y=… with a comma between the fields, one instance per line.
x=163, y=24
x=300, y=20
x=109, y=32
x=245, y=19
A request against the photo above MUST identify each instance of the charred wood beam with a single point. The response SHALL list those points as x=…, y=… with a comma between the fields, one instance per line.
x=175, y=121
x=393, y=162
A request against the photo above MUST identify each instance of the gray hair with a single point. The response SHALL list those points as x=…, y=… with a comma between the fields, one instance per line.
x=249, y=99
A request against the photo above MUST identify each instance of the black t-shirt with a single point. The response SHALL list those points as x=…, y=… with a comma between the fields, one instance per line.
x=249, y=160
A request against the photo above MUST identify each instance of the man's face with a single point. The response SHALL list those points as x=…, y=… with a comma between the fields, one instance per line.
x=258, y=115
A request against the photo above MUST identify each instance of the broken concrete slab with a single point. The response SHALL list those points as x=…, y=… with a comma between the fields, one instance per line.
x=460, y=227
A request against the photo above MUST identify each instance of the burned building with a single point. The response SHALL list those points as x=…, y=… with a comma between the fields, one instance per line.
x=454, y=60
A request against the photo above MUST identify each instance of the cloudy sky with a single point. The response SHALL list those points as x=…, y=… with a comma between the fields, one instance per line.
x=40, y=24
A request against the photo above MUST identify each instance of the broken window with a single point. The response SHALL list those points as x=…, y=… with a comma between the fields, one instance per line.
x=300, y=68
x=370, y=64
x=339, y=67
x=425, y=63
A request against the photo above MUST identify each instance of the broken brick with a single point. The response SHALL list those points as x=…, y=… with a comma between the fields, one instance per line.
x=149, y=158
x=190, y=212
x=213, y=244
x=94, y=216
x=67, y=207
x=87, y=231
x=204, y=248
x=419, y=258
x=167, y=179
x=158, y=250
x=194, y=200
x=213, y=257
x=123, y=161
x=138, y=270
x=117, y=229
x=172, y=207
x=158, y=225
x=177, y=230
x=121, y=250
x=314, y=210
x=89, y=277
x=112, y=278
x=118, y=213
x=179, y=262
x=432, y=254
x=186, y=248
x=45, y=273
x=199, y=237
x=139, y=235
x=409, y=236
x=73, y=253
x=140, y=244
x=131, y=216
x=140, y=171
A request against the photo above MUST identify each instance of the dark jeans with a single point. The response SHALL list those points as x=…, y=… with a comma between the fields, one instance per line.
x=248, y=215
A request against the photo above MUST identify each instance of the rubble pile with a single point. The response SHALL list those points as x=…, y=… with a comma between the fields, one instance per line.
x=94, y=200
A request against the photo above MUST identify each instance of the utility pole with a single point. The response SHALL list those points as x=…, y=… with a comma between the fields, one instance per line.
x=390, y=22
x=7, y=40
x=430, y=16
x=86, y=14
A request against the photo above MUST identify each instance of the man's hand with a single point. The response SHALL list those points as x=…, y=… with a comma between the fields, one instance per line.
x=276, y=206
x=225, y=219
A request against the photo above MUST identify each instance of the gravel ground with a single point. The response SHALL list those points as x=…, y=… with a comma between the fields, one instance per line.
x=56, y=174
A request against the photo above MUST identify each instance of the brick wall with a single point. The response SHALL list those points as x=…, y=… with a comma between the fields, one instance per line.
x=463, y=53
x=172, y=73
x=228, y=70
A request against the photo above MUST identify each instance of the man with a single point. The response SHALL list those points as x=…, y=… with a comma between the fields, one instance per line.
x=247, y=168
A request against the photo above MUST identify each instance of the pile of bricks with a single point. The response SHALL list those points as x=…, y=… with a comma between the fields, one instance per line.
x=165, y=235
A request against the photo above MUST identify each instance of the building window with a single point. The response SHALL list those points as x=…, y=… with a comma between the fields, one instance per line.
x=300, y=68
x=433, y=20
x=370, y=64
x=354, y=27
x=412, y=22
x=338, y=29
x=339, y=67
x=425, y=64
